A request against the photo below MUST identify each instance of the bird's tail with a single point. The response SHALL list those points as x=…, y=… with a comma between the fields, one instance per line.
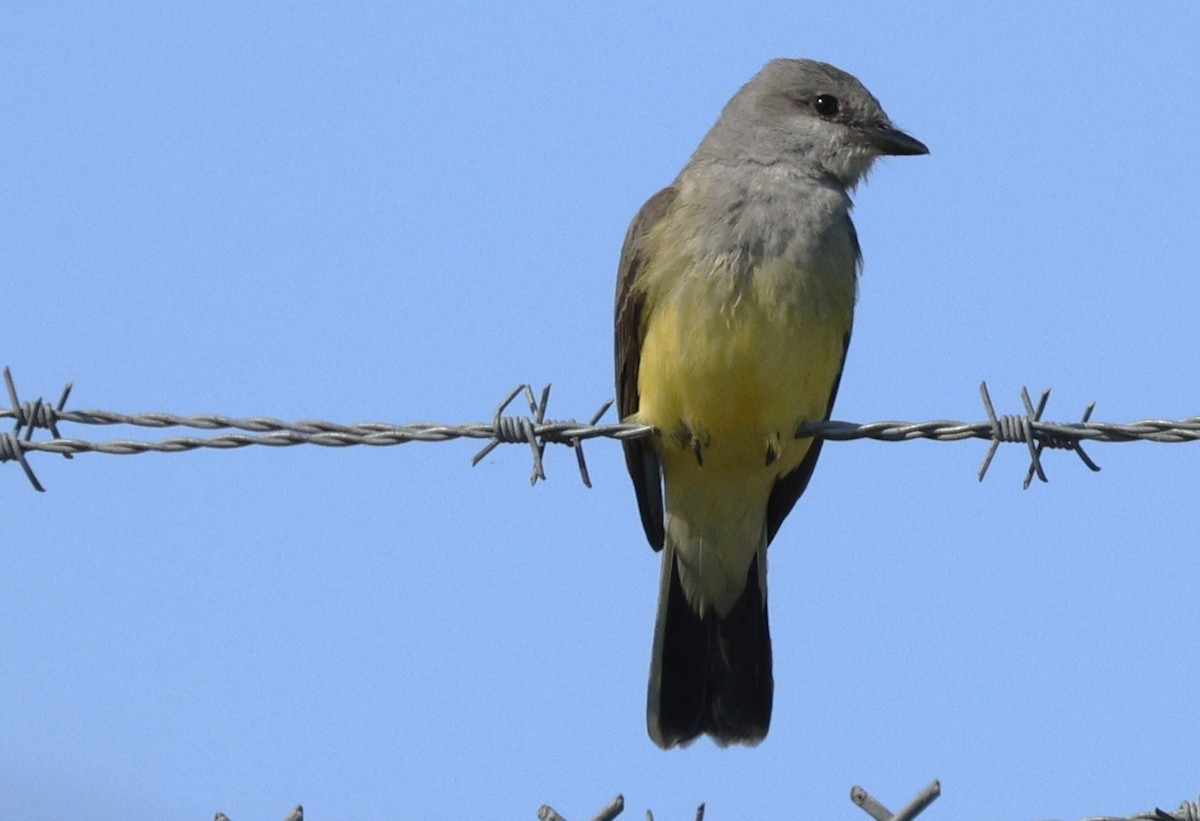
x=710, y=674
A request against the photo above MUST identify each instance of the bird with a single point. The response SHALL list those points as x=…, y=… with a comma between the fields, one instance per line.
x=735, y=298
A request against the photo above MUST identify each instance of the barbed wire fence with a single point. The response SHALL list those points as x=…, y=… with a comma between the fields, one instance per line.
x=1188, y=810
x=536, y=430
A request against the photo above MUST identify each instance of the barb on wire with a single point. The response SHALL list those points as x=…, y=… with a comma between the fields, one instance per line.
x=536, y=430
x=30, y=415
x=873, y=808
x=295, y=815
x=1021, y=429
x=1188, y=811
x=518, y=429
x=611, y=811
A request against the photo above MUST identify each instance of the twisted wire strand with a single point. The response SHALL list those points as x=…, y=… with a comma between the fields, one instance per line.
x=1188, y=811
x=382, y=434
x=536, y=430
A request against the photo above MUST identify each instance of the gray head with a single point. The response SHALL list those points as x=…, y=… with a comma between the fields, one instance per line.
x=807, y=113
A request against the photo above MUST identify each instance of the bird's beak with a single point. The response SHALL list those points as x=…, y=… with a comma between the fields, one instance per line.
x=888, y=140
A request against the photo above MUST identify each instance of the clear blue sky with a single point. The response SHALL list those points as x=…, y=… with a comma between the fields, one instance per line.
x=357, y=213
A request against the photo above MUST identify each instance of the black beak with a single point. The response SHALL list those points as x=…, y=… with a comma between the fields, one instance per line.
x=888, y=140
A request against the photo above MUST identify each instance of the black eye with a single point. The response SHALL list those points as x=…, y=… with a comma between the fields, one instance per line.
x=826, y=105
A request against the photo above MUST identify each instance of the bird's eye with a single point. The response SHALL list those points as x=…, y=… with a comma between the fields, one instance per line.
x=826, y=105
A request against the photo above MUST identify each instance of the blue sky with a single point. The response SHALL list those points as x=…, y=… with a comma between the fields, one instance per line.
x=399, y=212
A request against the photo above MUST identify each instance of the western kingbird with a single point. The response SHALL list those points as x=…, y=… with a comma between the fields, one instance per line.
x=734, y=303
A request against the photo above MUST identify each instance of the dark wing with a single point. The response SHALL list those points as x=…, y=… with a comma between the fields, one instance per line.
x=640, y=457
x=789, y=488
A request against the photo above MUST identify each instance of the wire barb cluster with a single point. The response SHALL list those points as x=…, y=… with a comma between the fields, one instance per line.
x=1020, y=429
x=610, y=811
x=873, y=808
x=295, y=815
x=536, y=430
x=510, y=429
x=29, y=416
x=1188, y=811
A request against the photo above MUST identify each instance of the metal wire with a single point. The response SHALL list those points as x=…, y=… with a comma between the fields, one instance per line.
x=1188, y=811
x=871, y=806
x=536, y=431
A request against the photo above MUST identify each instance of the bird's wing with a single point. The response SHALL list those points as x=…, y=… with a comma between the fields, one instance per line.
x=640, y=457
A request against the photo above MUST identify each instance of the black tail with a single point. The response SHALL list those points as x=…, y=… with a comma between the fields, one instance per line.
x=710, y=674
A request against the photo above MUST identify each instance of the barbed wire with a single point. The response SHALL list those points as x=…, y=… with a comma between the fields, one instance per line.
x=867, y=802
x=536, y=430
x=1188, y=810
x=295, y=815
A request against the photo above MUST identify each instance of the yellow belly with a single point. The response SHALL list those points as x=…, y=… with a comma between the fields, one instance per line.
x=727, y=374
x=740, y=377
